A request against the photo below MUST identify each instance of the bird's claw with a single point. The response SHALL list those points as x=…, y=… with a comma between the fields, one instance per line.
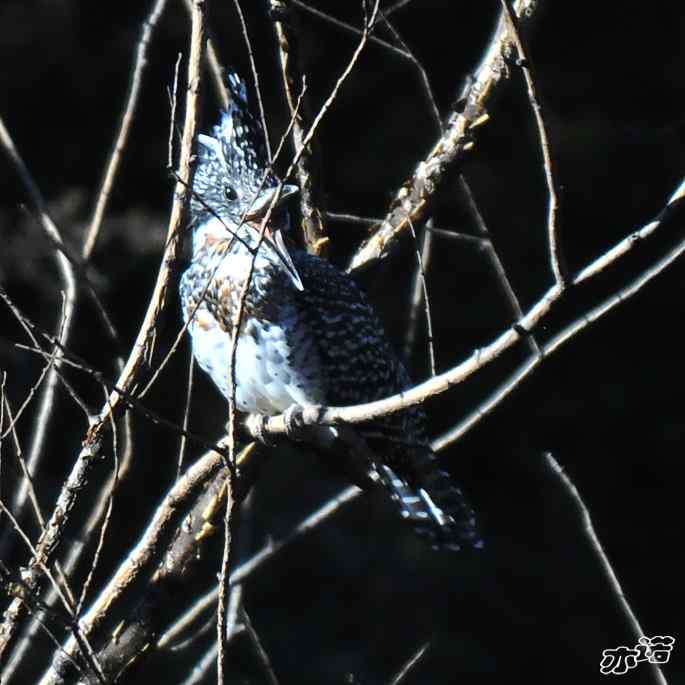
x=294, y=421
x=255, y=426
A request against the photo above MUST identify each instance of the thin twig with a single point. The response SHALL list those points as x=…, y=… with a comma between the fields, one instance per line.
x=121, y=138
x=173, y=100
x=349, y=28
x=410, y=664
x=255, y=75
x=460, y=237
x=20, y=458
x=369, y=23
x=366, y=220
x=420, y=294
x=628, y=243
x=398, y=5
x=417, y=291
x=309, y=173
x=183, y=444
x=229, y=461
x=612, y=578
x=273, y=547
x=203, y=666
x=187, y=619
x=222, y=599
x=553, y=231
x=65, y=320
x=494, y=260
x=423, y=75
x=258, y=647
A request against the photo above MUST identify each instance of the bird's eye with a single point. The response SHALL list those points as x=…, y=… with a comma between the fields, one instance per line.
x=230, y=194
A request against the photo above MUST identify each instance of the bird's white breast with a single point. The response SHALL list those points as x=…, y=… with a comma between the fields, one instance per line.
x=276, y=365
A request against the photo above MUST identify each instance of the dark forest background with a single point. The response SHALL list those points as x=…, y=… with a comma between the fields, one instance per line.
x=351, y=601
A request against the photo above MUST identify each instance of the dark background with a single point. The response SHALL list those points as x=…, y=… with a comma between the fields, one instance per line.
x=349, y=603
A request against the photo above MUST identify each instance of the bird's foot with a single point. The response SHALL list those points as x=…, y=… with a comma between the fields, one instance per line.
x=294, y=421
x=255, y=427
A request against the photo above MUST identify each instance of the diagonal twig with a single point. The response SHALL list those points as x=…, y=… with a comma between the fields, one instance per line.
x=612, y=579
x=121, y=138
x=410, y=664
x=561, y=338
x=412, y=200
x=495, y=261
x=555, y=252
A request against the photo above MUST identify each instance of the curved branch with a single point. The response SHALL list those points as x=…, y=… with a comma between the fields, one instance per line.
x=315, y=415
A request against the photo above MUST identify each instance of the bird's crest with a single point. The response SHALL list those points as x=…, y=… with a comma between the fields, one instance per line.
x=232, y=163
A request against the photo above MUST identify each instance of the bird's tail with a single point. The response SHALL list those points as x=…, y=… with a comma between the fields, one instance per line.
x=433, y=504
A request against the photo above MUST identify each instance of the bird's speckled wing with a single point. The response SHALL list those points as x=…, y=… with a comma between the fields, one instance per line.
x=359, y=366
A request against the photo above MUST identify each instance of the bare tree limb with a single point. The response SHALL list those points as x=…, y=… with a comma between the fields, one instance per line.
x=412, y=199
x=555, y=343
x=314, y=415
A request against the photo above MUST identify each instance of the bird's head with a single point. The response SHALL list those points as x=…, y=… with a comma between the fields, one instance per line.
x=234, y=184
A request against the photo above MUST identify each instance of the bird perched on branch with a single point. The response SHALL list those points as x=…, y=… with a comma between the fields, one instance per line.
x=307, y=335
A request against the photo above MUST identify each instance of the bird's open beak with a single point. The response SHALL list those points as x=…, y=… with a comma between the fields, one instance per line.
x=273, y=231
x=284, y=255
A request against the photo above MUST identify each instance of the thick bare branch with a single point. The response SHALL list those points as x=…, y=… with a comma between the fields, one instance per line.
x=412, y=200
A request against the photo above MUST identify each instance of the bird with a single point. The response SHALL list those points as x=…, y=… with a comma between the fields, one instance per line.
x=308, y=335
